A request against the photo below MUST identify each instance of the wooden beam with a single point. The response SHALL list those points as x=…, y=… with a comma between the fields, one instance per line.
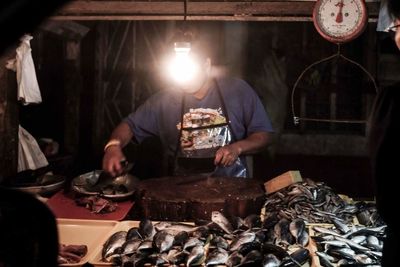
x=124, y=10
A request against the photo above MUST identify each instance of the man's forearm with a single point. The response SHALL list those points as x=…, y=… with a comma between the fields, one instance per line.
x=254, y=143
x=122, y=133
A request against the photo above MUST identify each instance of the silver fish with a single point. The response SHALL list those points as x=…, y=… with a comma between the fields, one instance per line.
x=341, y=226
x=234, y=259
x=133, y=233
x=145, y=245
x=192, y=242
x=220, y=242
x=326, y=256
x=196, y=256
x=130, y=246
x=243, y=238
x=359, y=239
x=218, y=256
x=373, y=242
x=362, y=258
x=297, y=227
x=252, y=221
x=163, y=241
x=270, y=260
x=146, y=229
x=336, y=243
x=352, y=244
x=115, y=241
x=303, y=239
x=221, y=221
x=324, y=230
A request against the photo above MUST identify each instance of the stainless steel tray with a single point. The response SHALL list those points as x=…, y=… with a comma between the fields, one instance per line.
x=89, y=184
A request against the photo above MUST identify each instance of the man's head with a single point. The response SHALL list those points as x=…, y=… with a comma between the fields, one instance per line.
x=394, y=11
x=190, y=71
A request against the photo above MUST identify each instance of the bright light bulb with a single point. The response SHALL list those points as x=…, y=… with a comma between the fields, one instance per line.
x=182, y=68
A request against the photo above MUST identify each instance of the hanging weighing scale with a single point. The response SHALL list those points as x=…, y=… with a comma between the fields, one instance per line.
x=339, y=22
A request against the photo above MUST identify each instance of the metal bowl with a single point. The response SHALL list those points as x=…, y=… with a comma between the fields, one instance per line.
x=99, y=183
x=51, y=184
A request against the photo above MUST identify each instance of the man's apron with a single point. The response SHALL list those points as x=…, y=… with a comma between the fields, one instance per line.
x=201, y=133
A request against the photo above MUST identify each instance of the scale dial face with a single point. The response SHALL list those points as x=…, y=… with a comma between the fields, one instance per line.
x=340, y=21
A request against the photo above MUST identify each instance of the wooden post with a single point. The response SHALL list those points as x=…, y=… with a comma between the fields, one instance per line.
x=9, y=120
x=73, y=85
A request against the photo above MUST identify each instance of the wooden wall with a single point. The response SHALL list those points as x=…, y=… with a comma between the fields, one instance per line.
x=8, y=119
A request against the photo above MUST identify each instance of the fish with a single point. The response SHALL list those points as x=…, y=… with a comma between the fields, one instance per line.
x=359, y=239
x=303, y=239
x=234, y=259
x=146, y=229
x=342, y=227
x=196, y=256
x=373, y=242
x=252, y=221
x=270, y=260
x=363, y=259
x=192, y=242
x=343, y=252
x=219, y=242
x=250, y=246
x=237, y=222
x=324, y=230
x=176, y=256
x=243, y=238
x=115, y=241
x=283, y=235
x=181, y=238
x=325, y=262
x=221, y=221
x=174, y=228
x=352, y=244
x=253, y=258
x=218, y=256
x=297, y=258
x=326, y=256
x=146, y=245
x=163, y=241
x=278, y=251
x=336, y=243
x=133, y=233
x=130, y=246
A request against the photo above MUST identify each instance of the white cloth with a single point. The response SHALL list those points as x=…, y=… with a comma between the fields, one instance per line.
x=28, y=87
x=384, y=19
x=30, y=157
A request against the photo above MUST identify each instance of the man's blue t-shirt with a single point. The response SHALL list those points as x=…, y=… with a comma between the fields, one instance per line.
x=161, y=114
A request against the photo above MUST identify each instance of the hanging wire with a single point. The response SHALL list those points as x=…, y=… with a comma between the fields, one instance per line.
x=185, y=2
x=338, y=54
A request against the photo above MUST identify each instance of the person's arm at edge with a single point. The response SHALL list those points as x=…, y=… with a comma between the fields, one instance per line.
x=113, y=154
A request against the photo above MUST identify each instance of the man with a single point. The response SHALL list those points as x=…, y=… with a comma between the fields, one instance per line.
x=385, y=144
x=206, y=127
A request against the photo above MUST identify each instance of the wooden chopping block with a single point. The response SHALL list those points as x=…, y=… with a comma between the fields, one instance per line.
x=191, y=198
x=282, y=181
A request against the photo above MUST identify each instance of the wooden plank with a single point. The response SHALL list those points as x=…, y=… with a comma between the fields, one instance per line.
x=282, y=181
x=108, y=10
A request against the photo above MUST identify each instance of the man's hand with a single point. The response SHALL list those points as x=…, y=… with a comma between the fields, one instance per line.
x=227, y=155
x=112, y=160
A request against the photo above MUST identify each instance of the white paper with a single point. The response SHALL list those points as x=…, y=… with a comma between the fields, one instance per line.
x=30, y=157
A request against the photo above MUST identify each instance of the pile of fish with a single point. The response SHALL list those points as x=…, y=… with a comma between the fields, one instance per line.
x=71, y=253
x=314, y=202
x=221, y=241
x=343, y=245
x=97, y=204
x=368, y=214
